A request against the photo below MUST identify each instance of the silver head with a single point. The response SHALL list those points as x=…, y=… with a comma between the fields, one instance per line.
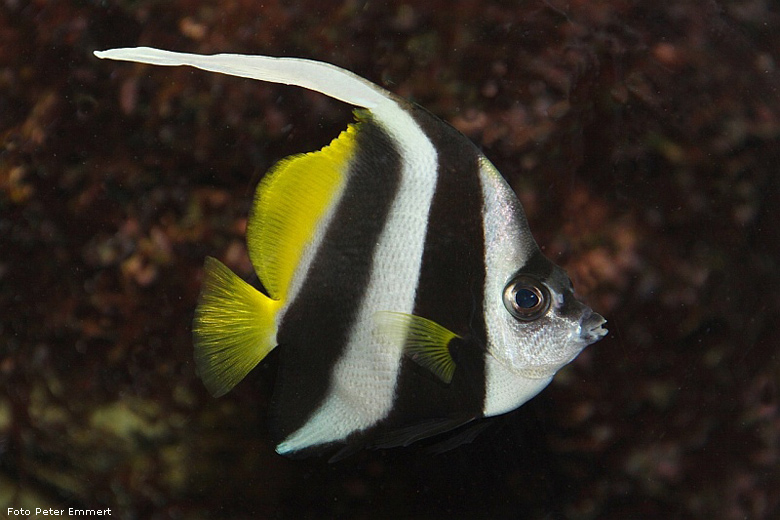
x=546, y=326
x=535, y=325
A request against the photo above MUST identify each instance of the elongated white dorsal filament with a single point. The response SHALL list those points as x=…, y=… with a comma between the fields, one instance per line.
x=313, y=75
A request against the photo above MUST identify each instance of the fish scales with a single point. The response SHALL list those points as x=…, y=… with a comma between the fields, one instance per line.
x=401, y=280
x=452, y=277
x=340, y=275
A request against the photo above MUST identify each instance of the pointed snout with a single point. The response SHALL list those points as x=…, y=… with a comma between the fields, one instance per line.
x=592, y=326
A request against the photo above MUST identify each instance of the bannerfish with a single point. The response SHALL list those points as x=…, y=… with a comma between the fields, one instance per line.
x=399, y=277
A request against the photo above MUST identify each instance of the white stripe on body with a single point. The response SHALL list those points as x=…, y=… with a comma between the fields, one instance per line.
x=508, y=245
x=364, y=379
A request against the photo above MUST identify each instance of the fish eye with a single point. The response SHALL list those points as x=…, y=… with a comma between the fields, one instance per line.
x=526, y=298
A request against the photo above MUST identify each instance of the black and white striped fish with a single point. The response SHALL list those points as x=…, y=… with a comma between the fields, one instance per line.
x=399, y=277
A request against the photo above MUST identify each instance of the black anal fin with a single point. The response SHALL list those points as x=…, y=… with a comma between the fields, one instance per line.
x=410, y=434
x=466, y=435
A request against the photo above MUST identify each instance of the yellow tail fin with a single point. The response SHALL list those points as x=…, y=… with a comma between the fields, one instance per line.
x=233, y=330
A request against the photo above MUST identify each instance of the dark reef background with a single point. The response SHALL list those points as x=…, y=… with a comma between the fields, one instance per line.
x=642, y=137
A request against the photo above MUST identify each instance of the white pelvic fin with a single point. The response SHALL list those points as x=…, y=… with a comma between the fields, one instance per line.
x=313, y=75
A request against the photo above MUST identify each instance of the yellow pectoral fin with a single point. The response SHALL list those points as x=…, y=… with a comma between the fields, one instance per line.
x=233, y=330
x=289, y=202
x=425, y=342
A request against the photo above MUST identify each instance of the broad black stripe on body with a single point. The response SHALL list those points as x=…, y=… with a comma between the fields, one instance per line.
x=316, y=326
x=450, y=289
x=406, y=220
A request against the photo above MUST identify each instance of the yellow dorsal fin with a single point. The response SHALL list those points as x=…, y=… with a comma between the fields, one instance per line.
x=425, y=341
x=289, y=202
x=233, y=330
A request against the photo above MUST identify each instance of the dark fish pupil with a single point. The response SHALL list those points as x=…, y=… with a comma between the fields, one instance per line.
x=526, y=299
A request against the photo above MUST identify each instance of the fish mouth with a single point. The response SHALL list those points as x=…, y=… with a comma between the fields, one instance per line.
x=592, y=327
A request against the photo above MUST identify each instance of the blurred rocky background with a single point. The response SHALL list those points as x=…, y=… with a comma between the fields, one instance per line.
x=642, y=137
